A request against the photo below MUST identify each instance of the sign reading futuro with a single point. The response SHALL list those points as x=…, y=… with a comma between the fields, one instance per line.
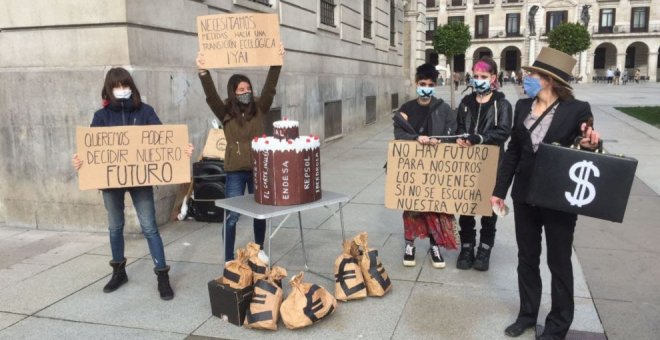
x=132, y=156
x=441, y=178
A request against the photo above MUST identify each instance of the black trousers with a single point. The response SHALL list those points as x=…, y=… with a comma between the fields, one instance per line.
x=469, y=234
x=559, y=227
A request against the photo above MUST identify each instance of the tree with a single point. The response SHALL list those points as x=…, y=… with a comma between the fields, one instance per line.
x=570, y=38
x=451, y=40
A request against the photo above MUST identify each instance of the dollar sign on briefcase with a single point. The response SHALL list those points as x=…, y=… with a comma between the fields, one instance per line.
x=580, y=173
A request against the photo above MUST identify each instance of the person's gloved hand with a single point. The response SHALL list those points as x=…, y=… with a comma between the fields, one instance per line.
x=474, y=139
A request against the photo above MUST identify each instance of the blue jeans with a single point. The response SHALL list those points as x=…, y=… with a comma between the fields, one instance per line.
x=143, y=200
x=236, y=183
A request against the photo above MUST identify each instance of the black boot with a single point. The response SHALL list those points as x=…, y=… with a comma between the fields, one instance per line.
x=118, y=278
x=466, y=257
x=482, y=261
x=164, y=288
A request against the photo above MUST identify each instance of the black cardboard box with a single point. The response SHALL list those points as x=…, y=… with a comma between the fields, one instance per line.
x=228, y=303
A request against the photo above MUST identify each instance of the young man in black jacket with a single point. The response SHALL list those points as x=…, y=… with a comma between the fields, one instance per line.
x=486, y=117
x=417, y=120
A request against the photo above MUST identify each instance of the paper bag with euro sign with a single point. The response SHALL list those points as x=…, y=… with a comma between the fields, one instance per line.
x=376, y=278
x=216, y=144
x=349, y=282
x=264, y=308
x=306, y=304
x=259, y=268
x=237, y=273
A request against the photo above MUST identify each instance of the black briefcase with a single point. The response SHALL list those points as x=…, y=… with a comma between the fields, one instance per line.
x=582, y=182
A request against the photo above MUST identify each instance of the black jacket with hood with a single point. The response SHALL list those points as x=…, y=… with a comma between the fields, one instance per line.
x=494, y=125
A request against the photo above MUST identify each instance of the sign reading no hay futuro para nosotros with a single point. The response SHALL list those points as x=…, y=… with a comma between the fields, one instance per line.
x=239, y=40
x=444, y=178
x=132, y=156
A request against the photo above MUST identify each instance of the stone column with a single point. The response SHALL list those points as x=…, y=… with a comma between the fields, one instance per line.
x=532, y=50
x=583, y=66
x=653, y=66
x=620, y=61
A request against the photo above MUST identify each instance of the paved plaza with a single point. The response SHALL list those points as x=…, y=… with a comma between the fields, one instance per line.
x=51, y=282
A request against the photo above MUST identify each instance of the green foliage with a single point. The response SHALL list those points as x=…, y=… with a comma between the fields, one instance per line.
x=649, y=114
x=570, y=38
x=452, y=39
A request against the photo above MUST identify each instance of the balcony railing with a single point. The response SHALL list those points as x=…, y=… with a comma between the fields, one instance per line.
x=456, y=3
x=620, y=29
x=484, y=3
x=499, y=33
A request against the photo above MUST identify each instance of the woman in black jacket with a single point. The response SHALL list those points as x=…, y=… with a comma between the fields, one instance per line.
x=486, y=117
x=549, y=115
x=122, y=105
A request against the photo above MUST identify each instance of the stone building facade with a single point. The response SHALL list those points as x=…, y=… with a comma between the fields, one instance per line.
x=344, y=68
x=625, y=33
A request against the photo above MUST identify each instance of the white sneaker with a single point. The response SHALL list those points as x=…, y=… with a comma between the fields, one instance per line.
x=263, y=257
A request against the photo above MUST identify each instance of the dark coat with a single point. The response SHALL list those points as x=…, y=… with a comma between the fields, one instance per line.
x=498, y=120
x=124, y=112
x=519, y=157
x=238, y=155
x=443, y=122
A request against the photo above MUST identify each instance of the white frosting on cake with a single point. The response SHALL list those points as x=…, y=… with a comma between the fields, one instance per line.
x=306, y=143
x=272, y=144
x=285, y=124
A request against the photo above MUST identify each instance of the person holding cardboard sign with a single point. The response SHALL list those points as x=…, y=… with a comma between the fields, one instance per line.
x=417, y=120
x=486, y=117
x=242, y=115
x=551, y=114
x=122, y=105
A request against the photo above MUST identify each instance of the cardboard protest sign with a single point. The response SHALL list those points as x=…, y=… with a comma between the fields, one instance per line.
x=132, y=156
x=441, y=178
x=216, y=144
x=239, y=40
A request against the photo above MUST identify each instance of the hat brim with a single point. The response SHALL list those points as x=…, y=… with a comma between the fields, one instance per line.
x=548, y=73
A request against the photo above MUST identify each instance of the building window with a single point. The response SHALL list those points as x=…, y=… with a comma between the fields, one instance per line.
x=484, y=2
x=262, y=2
x=599, y=58
x=459, y=19
x=392, y=24
x=630, y=57
x=513, y=24
x=481, y=26
x=639, y=21
x=457, y=3
x=367, y=18
x=430, y=4
x=606, y=24
x=554, y=19
x=431, y=26
x=328, y=12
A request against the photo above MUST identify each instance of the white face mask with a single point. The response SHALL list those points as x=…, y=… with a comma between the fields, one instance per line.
x=121, y=93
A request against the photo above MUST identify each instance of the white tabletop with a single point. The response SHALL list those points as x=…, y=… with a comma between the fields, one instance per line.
x=246, y=205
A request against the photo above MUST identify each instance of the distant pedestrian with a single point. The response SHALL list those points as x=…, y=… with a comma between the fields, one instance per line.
x=609, y=75
x=638, y=75
x=500, y=78
x=624, y=76
x=617, y=76
x=456, y=80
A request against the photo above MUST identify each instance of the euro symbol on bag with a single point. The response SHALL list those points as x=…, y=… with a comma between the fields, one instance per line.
x=580, y=173
x=377, y=270
x=313, y=306
x=344, y=275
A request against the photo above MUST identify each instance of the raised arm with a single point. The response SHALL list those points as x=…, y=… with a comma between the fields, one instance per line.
x=268, y=92
x=212, y=98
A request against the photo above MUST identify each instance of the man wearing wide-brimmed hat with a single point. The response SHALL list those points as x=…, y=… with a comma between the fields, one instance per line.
x=550, y=115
